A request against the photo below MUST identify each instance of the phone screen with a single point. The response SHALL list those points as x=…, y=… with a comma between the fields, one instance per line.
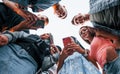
x=67, y=40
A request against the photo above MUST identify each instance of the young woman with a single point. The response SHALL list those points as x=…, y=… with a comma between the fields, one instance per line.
x=102, y=50
x=73, y=62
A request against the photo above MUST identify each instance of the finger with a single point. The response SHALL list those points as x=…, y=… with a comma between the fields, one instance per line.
x=29, y=16
x=53, y=50
x=35, y=17
x=26, y=24
x=30, y=23
x=70, y=52
x=34, y=28
x=23, y=14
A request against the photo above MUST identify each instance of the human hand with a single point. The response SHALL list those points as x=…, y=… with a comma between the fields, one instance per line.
x=26, y=14
x=44, y=18
x=30, y=16
x=54, y=49
x=3, y=40
x=76, y=47
x=24, y=25
x=20, y=10
x=87, y=17
x=66, y=52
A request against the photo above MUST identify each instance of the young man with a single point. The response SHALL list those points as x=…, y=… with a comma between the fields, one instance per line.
x=14, y=11
x=22, y=53
x=105, y=16
x=55, y=51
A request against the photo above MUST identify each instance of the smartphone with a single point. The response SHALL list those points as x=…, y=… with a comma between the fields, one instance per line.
x=39, y=23
x=67, y=40
x=51, y=39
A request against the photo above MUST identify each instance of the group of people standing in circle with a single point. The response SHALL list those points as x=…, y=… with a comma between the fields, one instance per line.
x=103, y=38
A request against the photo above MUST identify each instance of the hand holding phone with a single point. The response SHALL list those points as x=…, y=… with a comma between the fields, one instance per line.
x=39, y=23
x=67, y=40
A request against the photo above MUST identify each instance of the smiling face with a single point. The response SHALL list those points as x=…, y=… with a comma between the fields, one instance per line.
x=78, y=19
x=45, y=36
x=60, y=11
x=84, y=33
x=87, y=33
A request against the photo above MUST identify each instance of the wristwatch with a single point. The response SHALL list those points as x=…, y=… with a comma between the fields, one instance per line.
x=86, y=53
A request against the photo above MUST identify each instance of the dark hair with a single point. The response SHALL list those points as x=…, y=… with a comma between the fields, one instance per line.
x=74, y=18
x=47, y=20
x=59, y=48
x=66, y=13
x=63, y=7
x=92, y=33
x=72, y=21
x=76, y=41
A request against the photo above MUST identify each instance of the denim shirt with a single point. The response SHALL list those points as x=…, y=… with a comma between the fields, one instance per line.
x=99, y=5
x=37, y=4
x=77, y=64
x=13, y=36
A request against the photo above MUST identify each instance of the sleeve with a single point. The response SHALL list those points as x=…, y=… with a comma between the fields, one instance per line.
x=21, y=2
x=12, y=36
x=43, y=4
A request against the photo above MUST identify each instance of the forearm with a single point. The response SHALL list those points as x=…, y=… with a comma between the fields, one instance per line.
x=12, y=5
x=15, y=28
x=12, y=36
x=15, y=7
x=60, y=63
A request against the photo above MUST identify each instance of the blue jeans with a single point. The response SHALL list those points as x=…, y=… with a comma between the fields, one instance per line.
x=15, y=60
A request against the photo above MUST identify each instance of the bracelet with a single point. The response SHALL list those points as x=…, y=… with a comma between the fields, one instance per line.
x=86, y=53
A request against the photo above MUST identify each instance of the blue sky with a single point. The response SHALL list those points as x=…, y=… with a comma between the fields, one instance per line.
x=61, y=28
